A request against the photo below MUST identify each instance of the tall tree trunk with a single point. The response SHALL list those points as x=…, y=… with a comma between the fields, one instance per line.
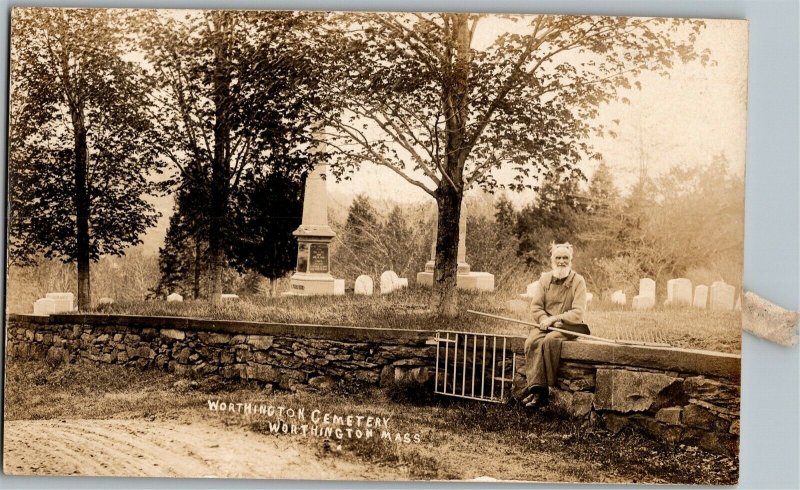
x=81, y=209
x=455, y=105
x=445, y=296
x=220, y=169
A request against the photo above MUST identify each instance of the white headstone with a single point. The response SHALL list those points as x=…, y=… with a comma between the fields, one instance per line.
x=619, y=298
x=722, y=296
x=670, y=291
x=63, y=301
x=364, y=285
x=174, y=297
x=682, y=292
x=228, y=297
x=388, y=279
x=338, y=287
x=700, y=296
x=647, y=287
x=105, y=301
x=44, y=306
x=400, y=283
x=643, y=302
x=589, y=298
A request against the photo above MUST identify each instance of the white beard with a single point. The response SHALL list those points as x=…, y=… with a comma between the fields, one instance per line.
x=561, y=272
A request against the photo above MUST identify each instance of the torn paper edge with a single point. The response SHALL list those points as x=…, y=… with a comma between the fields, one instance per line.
x=765, y=319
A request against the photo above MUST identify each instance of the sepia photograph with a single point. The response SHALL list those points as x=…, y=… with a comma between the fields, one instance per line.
x=307, y=245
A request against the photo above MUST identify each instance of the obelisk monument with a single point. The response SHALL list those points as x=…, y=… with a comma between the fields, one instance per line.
x=312, y=274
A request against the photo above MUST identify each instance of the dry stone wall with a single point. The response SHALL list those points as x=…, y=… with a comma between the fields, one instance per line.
x=677, y=395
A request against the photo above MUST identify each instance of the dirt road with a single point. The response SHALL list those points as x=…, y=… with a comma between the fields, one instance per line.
x=166, y=448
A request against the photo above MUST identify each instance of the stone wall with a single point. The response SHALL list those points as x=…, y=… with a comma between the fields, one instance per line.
x=680, y=396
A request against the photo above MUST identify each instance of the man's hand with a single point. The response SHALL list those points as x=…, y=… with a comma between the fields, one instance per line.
x=547, y=322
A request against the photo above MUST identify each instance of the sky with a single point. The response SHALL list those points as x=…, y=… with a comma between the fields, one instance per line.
x=686, y=119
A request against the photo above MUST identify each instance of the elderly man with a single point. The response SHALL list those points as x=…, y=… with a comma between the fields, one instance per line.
x=559, y=301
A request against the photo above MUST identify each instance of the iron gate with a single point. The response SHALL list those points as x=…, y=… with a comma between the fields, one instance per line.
x=474, y=365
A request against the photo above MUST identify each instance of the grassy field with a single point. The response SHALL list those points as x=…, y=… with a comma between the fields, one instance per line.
x=408, y=309
x=458, y=440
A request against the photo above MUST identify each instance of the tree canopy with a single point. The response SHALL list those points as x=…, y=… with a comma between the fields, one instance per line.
x=81, y=160
x=421, y=95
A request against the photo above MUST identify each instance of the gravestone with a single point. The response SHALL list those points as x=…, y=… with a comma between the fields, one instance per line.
x=388, y=279
x=589, y=298
x=700, y=296
x=364, y=285
x=643, y=302
x=228, y=297
x=682, y=292
x=400, y=283
x=670, y=291
x=63, y=301
x=722, y=296
x=679, y=292
x=44, y=306
x=312, y=273
x=105, y=301
x=619, y=298
x=174, y=297
x=647, y=287
x=338, y=287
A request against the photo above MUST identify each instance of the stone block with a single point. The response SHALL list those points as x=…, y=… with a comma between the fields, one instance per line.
x=262, y=372
x=725, y=395
x=387, y=376
x=229, y=297
x=183, y=355
x=57, y=355
x=174, y=297
x=575, y=404
x=700, y=296
x=619, y=298
x=338, y=287
x=629, y=391
x=214, y=338
x=364, y=285
x=260, y=342
x=322, y=383
x=421, y=375
x=171, y=333
x=670, y=415
x=614, y=423
x=576, y=378
x=697, y=416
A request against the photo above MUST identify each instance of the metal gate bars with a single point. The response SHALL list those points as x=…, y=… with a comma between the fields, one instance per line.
x=474, y=366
